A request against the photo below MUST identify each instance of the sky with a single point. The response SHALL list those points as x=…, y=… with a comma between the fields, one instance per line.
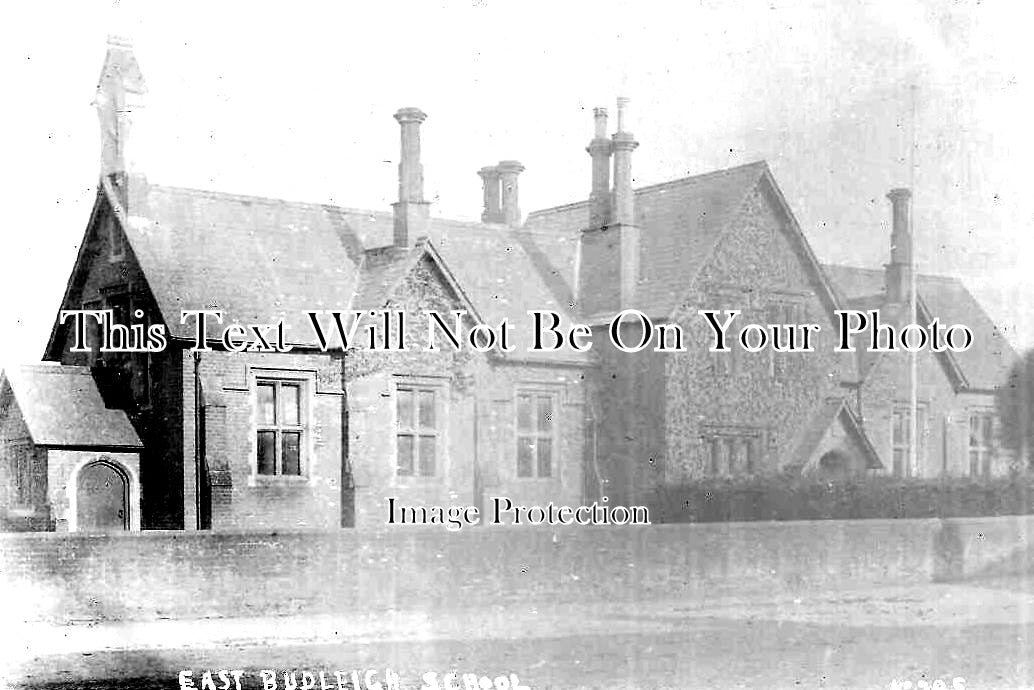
x=845, y=100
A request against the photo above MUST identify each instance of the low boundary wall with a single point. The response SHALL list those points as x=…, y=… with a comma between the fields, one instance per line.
x=149, y=575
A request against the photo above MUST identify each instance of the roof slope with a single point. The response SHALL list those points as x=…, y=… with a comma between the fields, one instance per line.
x=681, y=222
x=62, y=407
x=984, y=365
x=256, y=259
x=260, y=260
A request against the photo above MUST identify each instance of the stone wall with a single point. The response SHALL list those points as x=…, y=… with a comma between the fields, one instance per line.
x=149, y=575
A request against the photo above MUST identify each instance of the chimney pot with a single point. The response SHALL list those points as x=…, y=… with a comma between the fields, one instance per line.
x=622, y=211
x=492, y=212
x=411, y=211
x=622, y=112
x=410, y=115
x=608, y=271
x=899, y=270
x=599, y=116
x=411, y=172
x=600, y=150
x=508, y=172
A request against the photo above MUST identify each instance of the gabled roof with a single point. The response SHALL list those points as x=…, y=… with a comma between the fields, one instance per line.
x=825, y=414
x=682, y=223
x=260, y=260
x=983, y=367
x=384, y=269
x=62, y=407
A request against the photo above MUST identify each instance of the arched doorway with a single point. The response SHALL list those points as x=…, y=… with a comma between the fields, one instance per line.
x=835, y=465
x=102, y=498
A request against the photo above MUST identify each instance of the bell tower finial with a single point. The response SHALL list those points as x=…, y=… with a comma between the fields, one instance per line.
x=120, y=97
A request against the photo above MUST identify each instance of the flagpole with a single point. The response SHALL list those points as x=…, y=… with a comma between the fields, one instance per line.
x=914, y=364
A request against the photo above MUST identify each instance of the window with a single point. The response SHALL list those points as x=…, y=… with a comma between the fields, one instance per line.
x=981, y=443
x=132, y=369
x=93, y=333
x=417, y=435
x=900, y=431
x=535, y=437
x=280, y=428
x=116, y=242
x=900, y=434
x=724, y=364
x=784, y=315
x=733, y=452
x=29, y=488
x=119, y=306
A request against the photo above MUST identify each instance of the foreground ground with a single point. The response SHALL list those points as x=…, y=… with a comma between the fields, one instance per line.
x=979, y=635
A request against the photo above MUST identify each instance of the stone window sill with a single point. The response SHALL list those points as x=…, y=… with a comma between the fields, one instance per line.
x=277, y=479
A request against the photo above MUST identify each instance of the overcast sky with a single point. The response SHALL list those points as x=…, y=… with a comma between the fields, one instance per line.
x=295, y=101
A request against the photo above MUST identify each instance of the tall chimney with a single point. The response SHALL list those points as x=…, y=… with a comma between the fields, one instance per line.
x=411, y=211
x=493, y=212
x=899, y=270
x=622, y=210
x=508, y=172
x=600, y=149
x=608, y=268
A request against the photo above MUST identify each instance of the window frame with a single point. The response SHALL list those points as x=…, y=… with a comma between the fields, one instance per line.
x=136, y=364
x=723, y=366
x=306, y=384
x=733, y=452
x=782, y=365
x=986, y=451
x=537, y=433
x=93, y=334
x=904, y=410
x=26, y=470
x=114, y=231
x=417, y=431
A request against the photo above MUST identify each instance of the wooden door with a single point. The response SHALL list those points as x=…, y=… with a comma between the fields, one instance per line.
x=102, y=499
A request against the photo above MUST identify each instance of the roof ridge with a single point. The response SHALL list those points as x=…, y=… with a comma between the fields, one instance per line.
x=510, y=232
x=702, y=176
x=660, y=185
x=53, y=368
x=251, y=198
x=930, y=276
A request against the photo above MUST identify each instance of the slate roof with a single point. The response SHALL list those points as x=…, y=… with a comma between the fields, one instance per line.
x=260, y=260
x=985, y=365
x=62, y=407
x=681, y=223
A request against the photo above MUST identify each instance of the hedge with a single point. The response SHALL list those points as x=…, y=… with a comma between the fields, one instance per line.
x=780, y=498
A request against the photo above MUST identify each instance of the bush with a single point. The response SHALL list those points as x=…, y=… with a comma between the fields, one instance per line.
x=783, y=498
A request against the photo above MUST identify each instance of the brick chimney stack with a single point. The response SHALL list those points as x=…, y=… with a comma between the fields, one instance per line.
x=600, y=149
x=608, y=268
x=622, y=210
x=508, y=172
x=899, y=270
x=411, y=211
x=493, y=212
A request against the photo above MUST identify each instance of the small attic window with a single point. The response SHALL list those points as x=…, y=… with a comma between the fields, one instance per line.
x=116, y=242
